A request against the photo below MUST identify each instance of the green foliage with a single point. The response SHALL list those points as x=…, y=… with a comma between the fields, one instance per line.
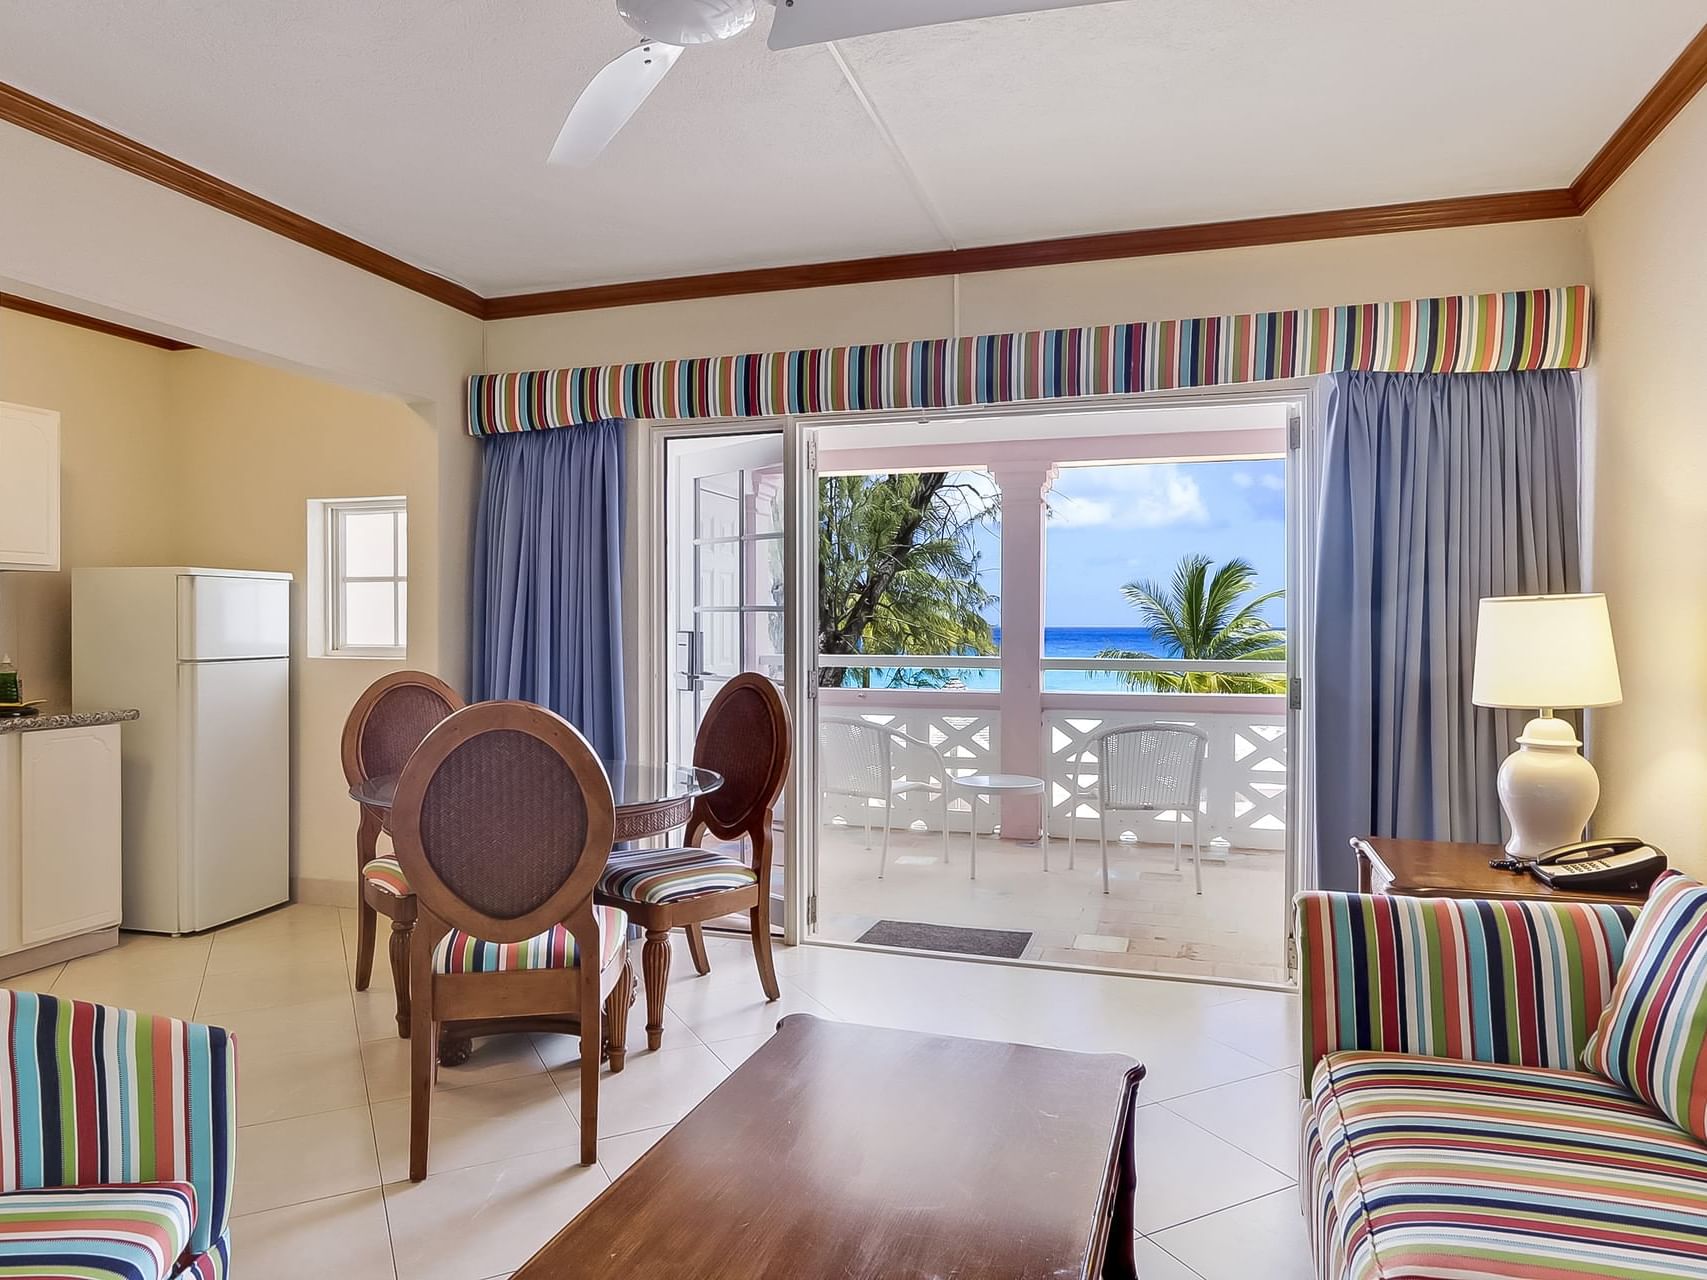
x=898, y=571
x=1203, y=614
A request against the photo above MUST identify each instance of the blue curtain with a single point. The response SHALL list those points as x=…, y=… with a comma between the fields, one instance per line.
x=1437, y=491
x=548, y=576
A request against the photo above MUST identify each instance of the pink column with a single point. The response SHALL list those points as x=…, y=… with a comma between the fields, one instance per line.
x=1023, y=486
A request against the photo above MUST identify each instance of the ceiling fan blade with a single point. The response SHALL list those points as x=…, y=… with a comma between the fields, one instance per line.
x=801, y=22
x=609, y=101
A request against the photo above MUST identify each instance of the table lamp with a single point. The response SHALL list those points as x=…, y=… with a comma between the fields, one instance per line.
x=1541, y=653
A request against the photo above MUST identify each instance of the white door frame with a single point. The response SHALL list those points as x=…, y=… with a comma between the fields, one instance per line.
x=1304, y=397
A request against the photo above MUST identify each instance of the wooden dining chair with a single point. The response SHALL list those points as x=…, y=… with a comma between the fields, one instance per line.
x=746, y=737
x=385, y=726
x=502, y=823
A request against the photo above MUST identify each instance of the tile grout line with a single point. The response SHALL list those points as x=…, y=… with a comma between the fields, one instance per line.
x=367, y=1091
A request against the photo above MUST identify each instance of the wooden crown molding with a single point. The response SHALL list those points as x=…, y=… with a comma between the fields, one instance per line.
x=1420, y=215
x=29, y=306
x=62, y=126
x=1681, y=82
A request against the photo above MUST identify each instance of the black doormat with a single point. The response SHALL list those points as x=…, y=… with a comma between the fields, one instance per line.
x=1006, y=943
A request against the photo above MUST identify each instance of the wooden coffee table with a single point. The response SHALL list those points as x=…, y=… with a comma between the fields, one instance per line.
x=850, y=1151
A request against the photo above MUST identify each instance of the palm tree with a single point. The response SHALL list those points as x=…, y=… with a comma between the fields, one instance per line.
x=1202, y=614
x=898, y=570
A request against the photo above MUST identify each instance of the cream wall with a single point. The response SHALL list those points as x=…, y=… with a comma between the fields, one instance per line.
x=1523, y=255
x=1650, y=551
x=107, y=243
x=113, y=401
x=198, y=458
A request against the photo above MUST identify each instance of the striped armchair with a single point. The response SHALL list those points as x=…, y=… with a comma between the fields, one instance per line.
x=117, y=1138
x=1449, y=1127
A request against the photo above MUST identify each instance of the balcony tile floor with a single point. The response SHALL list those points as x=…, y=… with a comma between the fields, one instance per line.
x=1152, y=920
x=319, y=1185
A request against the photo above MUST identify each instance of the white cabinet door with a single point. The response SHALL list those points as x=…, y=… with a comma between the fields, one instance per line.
x=29, y=487
x=70, y=832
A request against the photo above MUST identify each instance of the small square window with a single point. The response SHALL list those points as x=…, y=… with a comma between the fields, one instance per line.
x=364, y=562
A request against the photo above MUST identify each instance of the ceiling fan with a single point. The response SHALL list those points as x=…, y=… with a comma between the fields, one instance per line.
x=668, y=27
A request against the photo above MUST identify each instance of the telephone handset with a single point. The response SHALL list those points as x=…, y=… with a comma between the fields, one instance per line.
x=1614, y=862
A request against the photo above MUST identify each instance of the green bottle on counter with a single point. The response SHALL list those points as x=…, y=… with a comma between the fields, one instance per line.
x=10, y=690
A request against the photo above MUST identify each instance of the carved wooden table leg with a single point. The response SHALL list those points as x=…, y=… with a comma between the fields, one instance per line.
x=454, y=1048
x=617, y=1004
x=401, y=930
x=655, y=960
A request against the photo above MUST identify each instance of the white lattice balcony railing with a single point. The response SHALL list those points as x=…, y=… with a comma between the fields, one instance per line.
x=1244, y=775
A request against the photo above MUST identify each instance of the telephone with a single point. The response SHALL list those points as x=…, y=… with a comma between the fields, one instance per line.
x=1613, y=862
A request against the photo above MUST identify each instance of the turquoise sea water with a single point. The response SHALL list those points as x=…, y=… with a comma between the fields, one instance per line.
x=1058, y=642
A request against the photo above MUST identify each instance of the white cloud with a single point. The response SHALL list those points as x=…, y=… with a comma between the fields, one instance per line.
x=1132, y=497
x=1268, y=480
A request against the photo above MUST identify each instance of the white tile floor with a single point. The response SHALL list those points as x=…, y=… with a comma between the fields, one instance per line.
x=321, y=1185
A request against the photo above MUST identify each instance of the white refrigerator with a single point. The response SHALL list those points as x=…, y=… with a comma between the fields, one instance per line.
x=204, y=654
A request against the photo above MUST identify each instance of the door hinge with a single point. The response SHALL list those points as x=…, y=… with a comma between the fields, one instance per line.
x=812, y=452
x=1295, y=694
x=811, y=911
x=1291, y=956
x=1294, y=431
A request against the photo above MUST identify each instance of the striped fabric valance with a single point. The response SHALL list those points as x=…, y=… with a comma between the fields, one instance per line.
x=1473, y=333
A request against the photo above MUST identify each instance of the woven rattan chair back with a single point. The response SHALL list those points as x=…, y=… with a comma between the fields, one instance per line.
x=503, y=820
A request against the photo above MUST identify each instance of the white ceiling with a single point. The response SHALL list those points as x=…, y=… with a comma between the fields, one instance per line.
x=421, y=126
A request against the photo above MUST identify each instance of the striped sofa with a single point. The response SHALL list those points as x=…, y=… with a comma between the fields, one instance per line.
x=117, y=1135
x=1450, y=1129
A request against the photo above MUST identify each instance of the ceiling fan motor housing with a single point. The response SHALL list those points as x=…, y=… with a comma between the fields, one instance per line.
x=688, y=22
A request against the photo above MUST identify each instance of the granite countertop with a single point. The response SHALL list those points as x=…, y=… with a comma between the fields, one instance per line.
x=54, y=718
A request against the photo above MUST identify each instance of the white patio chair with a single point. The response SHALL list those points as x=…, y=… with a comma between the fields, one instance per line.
x=859, y=760
x=1143, y=768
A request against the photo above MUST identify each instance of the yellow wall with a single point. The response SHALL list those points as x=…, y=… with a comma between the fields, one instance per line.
x=198, y=458
x=254, y=445
x=116, y=476
x=1650, y=528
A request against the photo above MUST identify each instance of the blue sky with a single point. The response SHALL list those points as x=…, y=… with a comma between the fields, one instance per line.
x=1109, y=525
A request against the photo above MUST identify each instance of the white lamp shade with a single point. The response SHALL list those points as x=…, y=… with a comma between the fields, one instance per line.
x=1535, y=652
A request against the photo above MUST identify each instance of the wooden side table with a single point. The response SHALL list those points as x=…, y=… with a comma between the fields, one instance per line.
x=1443, y=869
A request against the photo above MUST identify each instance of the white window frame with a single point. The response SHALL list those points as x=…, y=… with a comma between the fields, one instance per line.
x=326, y=555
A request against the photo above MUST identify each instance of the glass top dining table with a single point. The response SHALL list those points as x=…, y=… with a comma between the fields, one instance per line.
x=650, y=798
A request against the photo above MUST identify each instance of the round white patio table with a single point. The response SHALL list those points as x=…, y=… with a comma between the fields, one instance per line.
x=996, y=785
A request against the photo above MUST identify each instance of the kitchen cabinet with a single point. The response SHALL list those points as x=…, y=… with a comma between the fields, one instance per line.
x=61, y=879
x=29, y=487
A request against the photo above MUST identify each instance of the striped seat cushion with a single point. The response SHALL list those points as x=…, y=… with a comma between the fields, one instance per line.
x=387, y=874
x=1434, y=1167
x=96, y=1233
x=657, y=876
x=460, y=952
x=1653, y=1037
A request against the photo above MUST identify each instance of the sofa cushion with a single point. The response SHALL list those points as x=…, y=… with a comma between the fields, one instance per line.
x=96, y=1233
x=1433, y=1167
x=658, y=876
x=1652, y=1038
x=460, y=952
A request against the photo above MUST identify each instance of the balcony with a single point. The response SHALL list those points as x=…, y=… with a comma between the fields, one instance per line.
x=1152, y=919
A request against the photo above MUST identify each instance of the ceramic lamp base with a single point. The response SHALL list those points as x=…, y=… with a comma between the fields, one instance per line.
x=1547, y=789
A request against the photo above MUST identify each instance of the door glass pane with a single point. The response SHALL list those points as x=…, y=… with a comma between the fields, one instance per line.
x=370, y=613
x=719, y=575
x=368, y=551
x=719, y=506
x=766, y=488
x=722, y=632
x=764, y=573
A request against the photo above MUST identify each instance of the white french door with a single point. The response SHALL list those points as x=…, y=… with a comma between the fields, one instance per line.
x=724, y=580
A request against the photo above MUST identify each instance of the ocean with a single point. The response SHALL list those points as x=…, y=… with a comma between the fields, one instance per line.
x=1068, y=642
